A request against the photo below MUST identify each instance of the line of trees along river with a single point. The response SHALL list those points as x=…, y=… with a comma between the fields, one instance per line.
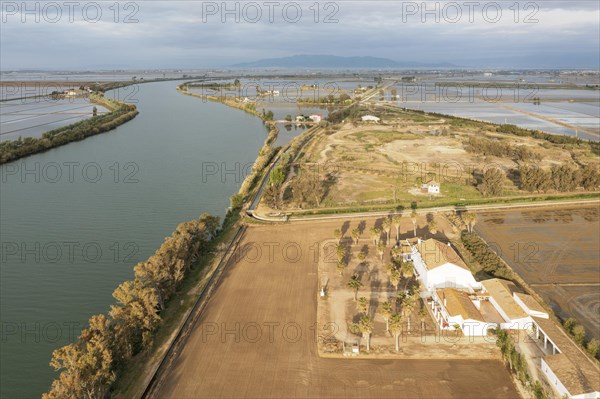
x=147, y=178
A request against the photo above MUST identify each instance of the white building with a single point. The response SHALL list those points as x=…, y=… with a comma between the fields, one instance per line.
x=530, y=305
x=316, y=117
x=431, y=187
x=370, y=118
x=439, y=266
x=454, y=310
x=501, y=296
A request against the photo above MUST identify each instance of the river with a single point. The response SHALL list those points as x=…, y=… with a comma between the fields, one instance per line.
x=76, y=219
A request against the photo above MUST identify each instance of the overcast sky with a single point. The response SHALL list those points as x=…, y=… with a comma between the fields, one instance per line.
x=195, y=34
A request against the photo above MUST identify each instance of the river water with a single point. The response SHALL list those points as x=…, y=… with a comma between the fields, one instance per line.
x=76, y=219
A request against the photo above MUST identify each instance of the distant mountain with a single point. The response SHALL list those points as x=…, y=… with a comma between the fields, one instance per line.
x=333, y=61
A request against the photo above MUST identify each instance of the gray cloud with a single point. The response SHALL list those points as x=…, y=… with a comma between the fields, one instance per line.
x=192, y=34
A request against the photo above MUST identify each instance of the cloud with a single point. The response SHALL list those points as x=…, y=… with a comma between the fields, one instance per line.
x=195, y=34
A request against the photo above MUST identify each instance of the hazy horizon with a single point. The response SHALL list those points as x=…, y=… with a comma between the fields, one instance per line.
x=200, y=35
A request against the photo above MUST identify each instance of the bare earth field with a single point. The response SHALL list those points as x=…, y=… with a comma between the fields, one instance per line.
x=556, y=252
x=257, y=338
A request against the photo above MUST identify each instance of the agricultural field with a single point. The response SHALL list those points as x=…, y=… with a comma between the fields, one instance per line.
x=556, y=252
x=259, y=334
x=33, y=117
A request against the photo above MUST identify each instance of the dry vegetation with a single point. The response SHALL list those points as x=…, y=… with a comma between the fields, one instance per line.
x=360, y=163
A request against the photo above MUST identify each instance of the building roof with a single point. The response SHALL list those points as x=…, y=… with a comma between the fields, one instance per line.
x=570, y=375
x=436, y=254
x=502, y=292
x=580, y=373
x=530, y=302
x=458, y=303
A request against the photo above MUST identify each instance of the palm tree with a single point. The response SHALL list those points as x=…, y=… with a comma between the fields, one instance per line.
x=365, y=325
x=422, y=315
x=355, y=284
x=397, y=220
x=395, y=278
x=408, y=305
x=341, y=265
x=413, y=217
x=387, y=224
x=362, y=255
x=340, y=251
x=408, y=271
x=386, y=313
x=381, y=250
x=356, y=234
x=363, y=305
x=396, y=328
x=470, y=219
x=375, y=234
x=432, y=227
x=337, y=233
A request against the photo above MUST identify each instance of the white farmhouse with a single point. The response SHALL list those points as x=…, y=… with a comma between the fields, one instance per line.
x=370, y=118
x=501, y=296
x=431, y=187
x=454, y=310
x=439, y=266
x=316, y=117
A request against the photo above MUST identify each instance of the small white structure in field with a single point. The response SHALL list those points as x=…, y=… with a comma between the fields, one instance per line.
x=453, y=310
x=316, y=117
x=431, y=187
x=439, y=266
x=370, y=118
x=501, y=297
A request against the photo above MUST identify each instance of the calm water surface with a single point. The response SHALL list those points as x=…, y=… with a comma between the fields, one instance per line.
x=68, y=241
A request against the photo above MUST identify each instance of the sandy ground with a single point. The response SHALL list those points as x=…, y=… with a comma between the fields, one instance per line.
x=257, y=338
x=556, y=252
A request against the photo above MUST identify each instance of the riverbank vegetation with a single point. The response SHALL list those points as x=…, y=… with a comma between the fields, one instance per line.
x=119, y=113
x=104, y=350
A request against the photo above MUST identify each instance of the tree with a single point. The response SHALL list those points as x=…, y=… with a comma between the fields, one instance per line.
x=355, y=234
x=470, y=219
x=491, y=184
x=387, y=224
x=381, y=250
x=363, y=305
x=413, y=217
x=236, y=201
x=408, y=305
x=87, y=366
x=375, y=234
x=432, y=227
x=355, y=284
x=395, y=278
x=570, y=324
x=589, y=177
x=408, y=270
x=337, y=233
x=579, y=334
x=341, y=265
x=564, y=178
x=362, y=256
x=593, y=347
x=395, y=326
x=365, y=326
x=397, y=220
x=288, y=117
x=94, y=111
x=386, y=312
